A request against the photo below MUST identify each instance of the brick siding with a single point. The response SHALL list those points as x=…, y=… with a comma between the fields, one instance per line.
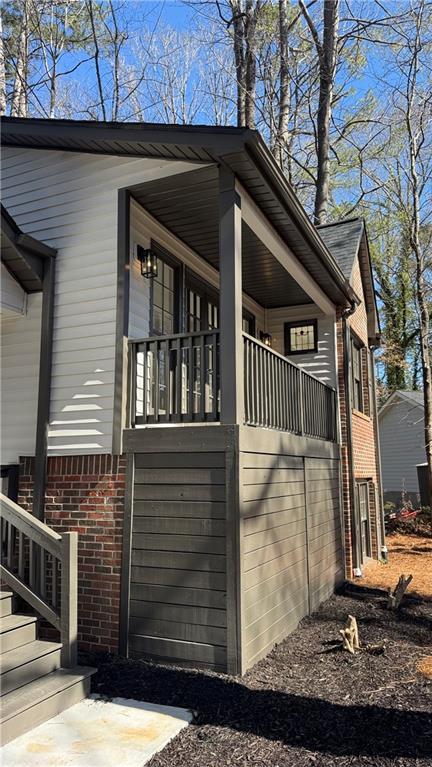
x=363, y=429
x=86, y=493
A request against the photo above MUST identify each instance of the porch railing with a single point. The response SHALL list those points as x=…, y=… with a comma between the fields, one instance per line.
x=176, y=378
x=280, y=395
x=41, y=567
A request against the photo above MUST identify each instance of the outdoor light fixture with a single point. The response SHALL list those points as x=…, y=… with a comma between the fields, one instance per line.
x=266, y=338
x=148, y=260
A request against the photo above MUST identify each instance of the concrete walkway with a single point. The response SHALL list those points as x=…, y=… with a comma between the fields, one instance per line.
x=98, y=733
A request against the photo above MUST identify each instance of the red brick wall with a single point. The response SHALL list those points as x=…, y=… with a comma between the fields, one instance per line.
x=86, y=493
x=363, y=428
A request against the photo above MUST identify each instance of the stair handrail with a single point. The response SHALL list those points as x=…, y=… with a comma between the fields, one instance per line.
x=23, y=569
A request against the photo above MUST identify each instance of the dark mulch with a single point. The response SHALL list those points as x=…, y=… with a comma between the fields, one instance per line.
x=307, y=703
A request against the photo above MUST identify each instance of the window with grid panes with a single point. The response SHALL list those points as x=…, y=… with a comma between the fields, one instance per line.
x=163, y=300
x=300, y=337
x=356, y=370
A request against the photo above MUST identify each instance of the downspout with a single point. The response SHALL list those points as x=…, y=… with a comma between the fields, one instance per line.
x=44, y=394
x=348, y=405
x=384, y=550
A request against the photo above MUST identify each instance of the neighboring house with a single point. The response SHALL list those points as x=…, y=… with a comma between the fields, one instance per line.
x=206, y=397
x=402, y=442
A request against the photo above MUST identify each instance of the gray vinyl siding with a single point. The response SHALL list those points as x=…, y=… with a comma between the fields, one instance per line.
x=322, y=363
x=13, y=299
x=139, y=295
x=70, y=202
x=178, y=563
x=20, y=350
x=401, y=430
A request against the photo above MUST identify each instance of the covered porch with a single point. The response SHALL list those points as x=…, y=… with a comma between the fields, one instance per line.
x=226, y=293
x=233, y=530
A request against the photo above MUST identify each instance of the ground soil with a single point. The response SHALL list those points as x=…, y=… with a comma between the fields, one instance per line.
x=308, y=703
x=408, y=554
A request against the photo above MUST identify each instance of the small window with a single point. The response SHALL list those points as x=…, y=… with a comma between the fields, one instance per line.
x=357, y=375
x=300, y=337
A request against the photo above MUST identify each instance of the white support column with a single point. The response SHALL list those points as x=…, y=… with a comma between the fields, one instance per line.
x=230, y=265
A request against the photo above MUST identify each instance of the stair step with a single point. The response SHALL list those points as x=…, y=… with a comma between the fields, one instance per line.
x=27, y=663
x=16, y=630
x=42, y=699
x=5, y=603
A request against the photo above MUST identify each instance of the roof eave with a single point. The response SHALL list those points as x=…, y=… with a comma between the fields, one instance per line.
x=268, y=167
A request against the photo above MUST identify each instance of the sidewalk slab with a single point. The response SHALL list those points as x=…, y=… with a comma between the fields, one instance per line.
x=114, y=733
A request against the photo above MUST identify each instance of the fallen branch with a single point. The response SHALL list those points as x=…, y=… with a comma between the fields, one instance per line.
x=390, y=686
x=395, y=597
x=374, y=649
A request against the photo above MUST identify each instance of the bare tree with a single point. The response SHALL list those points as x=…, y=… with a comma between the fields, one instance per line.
x=20, y=88
x=418, y=115
x=284, y=85
x=2, y=73
x=327, y=56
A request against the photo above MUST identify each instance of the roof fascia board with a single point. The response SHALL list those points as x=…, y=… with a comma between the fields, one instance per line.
x=28, y=243
x=388, y=403
x=260, y=156
x=372, y=309
x=19, y=239
x=215, y=141
x=396, y=397
x=34, y=263
x=260, y=225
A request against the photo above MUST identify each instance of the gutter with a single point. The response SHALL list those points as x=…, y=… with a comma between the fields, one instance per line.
x=44, y=391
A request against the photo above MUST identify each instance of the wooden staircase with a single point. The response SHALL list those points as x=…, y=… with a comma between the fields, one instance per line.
x=38, y=679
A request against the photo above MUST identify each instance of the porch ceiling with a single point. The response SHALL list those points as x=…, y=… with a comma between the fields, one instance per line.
x=187, y=204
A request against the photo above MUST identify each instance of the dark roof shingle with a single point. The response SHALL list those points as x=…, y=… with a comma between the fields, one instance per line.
x=343, y=240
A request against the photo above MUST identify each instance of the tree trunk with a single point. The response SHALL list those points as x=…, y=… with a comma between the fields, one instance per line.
x=2, y=73
x=250, y=74
x=284, y=93
x=327, y=68
x=239, y=59
x=97, y=59
x=417, y=247
x=19, y=96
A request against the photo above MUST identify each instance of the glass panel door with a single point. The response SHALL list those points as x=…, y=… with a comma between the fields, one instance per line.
x=164, y=321
x=363, y=513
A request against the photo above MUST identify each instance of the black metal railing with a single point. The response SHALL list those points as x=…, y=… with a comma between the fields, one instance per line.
x=175, y=378
x=280, y=395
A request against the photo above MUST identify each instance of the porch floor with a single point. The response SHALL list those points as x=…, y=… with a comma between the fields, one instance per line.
x=98, y=732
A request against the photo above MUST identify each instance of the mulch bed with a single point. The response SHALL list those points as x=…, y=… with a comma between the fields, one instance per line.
x=408, y=554
x=306, y=704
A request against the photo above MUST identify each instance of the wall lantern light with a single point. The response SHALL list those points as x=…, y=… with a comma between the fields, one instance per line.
x=148, y=260
x=266, y=338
